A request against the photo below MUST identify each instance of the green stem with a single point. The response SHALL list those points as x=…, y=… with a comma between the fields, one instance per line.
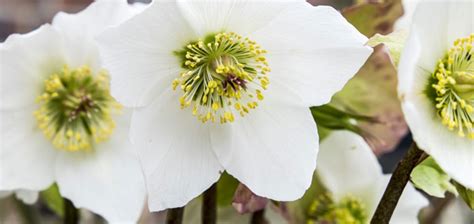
x=209, y=205
x=175, y=216
x=395, y=187
x=71, y=213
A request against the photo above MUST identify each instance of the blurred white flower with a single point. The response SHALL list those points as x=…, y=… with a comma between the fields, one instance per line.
x=26, y=196
x=247, y=71
x=351, y=173
x=436, y=85
x=58, y=120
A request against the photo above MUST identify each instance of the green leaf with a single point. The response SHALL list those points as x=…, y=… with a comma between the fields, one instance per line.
x=371, y=17
x=430, y=178
x=53, y=199
x=393, y=41
x=466, y=194
x=225, y=189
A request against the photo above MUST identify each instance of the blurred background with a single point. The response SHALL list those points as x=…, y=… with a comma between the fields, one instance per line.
x=22, y=16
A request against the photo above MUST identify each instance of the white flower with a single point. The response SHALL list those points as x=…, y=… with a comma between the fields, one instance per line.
x=436, y=85
x=247, y=71
x=351, y=172
x=26, y=196
x=58, y=120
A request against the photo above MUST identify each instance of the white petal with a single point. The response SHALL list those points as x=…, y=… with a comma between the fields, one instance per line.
x=347, y=165
x=107, y=181
x=25, y=60
x=140, y=53
x=80, y=29
x=273, y=149
x=453, y=153
x=175, y=152
x=239, y=16
x=314, y=50
x=27, y=196
x=460, y=19
x=409, y=205
x=428, y=42
x=27, y=163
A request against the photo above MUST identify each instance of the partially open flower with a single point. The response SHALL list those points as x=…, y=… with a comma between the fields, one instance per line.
x=228, y=85
x=436, y=85
x=355, y=183
x=59, y=122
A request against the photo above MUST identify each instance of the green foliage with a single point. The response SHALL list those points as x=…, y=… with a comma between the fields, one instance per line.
x=430, y=178
x=226, y=188
x=466, y=194
x=53, y=199
x=393, y=41
x=372, y=17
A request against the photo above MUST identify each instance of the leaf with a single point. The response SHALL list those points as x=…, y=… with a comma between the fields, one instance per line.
x=466, y=194
x=430, y=178
x=371, y=17
x=53, y=199
x=373, y=92
x=393, y=41
x=226, y=188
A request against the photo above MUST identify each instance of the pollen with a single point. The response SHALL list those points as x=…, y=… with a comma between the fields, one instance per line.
x=453, y=88
x=223, y=75
x=75, y=109
x=349, y=209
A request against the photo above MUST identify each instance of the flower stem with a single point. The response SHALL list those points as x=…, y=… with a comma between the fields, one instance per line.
x=395, y=187
x=209, y=205
x=175, y=216
x=258, y=217
x=71, y=213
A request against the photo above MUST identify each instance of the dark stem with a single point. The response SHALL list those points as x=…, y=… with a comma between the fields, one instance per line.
x=395, y=187
x=258, y=217
x=71, y=213
x=175, y=216
x=209, y=205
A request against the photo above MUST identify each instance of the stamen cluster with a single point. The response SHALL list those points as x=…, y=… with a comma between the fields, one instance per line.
x=75, y=109
x=224, y=74
x=453, y=83
x=349, y=210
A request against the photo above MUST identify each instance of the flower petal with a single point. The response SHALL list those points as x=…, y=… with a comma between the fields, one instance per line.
x=108, y=180
x=347, y=165
x=80, y=29
x=239, y=16
x=26, y=196
x=26, y=163
x=24, y=61
x=175, y=152
x=273, y=149
x=140, y=53
x=409, y=205
x=428, y=42
x=454, y=154
x=314, y=50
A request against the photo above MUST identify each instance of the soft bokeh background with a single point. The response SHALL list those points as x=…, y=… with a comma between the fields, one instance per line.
x=22, y=16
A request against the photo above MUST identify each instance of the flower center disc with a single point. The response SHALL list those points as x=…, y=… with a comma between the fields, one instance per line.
x=75, y=109
x=350, y=210
x=452, y=87
x=224, y=74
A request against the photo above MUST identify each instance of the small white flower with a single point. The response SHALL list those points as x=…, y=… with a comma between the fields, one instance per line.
x=26, y=196
x=436, y=85
x=226, y=85
x=58, y=120
x=350, y=171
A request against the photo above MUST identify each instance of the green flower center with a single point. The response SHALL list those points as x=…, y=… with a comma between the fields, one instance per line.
x=75, y=109
x=349, y=210
x=224, y=74
x=452, y=87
